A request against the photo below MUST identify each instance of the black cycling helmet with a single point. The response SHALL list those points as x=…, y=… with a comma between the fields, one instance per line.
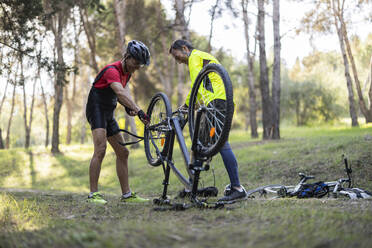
x=139, y=52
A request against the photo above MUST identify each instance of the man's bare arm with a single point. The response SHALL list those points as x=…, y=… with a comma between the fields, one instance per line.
x=124, y=96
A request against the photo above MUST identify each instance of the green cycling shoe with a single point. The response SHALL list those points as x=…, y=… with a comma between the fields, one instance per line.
x=96, y=197
x=134, y=198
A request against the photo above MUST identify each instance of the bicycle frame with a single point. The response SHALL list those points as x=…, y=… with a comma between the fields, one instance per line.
x=173, y=130
x=336, y=187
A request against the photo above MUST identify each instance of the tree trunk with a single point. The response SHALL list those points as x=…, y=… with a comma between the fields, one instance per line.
x=85, y=88
x=276, y=72
x=4, y=96
x=27, y=131
x=7, y=81
x=7, y=139
x=69, y=116
x=120, y=7
x=297, y=107
x=70, y=101
x=30, y=119
x=363, y=107
x=27, y=125
x=349, y=83
x=91, y=35
x=58, y=85
x=182, y=28
x=45, y=111
x=252, y=92
x=2, y=146
x=58, y=100
x=213, y=17
x=164, y=70
x=264, y=78
x=168, y=70
x=180, y=21
x=120, y=19
x=369, y=81
x=1, y=140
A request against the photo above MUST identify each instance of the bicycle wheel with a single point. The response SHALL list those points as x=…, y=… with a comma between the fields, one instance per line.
x=355, y=193
x=270, y=191
x=155, y=136
x=212, y=91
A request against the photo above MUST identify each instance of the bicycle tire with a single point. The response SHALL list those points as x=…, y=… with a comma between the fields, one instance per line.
x=220, y=128
x=355, y=193
x=159, y=110
x=276, y=190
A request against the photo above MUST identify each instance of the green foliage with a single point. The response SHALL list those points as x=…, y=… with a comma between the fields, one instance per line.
x=146, y=20
x=308, y=102
x=154, y=29
x=318, y=82
x=17, y=20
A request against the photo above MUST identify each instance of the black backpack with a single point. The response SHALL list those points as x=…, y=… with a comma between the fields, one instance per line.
x=318, y=190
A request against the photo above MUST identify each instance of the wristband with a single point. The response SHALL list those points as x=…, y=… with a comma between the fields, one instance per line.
x=143, y=116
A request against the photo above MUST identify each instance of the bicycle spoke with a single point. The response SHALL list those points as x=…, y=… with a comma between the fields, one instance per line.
x=214, y=121
x=157, y=136
x=211, y=124
x=217, y=121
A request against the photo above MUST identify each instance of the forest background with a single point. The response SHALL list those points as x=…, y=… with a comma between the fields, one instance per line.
x=52, y=50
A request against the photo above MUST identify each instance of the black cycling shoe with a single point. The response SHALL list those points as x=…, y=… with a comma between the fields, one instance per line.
x=233, y=196
x=204, y=192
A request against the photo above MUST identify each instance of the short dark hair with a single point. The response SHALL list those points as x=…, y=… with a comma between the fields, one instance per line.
x=178, y=44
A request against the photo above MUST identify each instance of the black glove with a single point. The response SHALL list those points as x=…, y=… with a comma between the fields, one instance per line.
x=129, y=111
x=143, y=117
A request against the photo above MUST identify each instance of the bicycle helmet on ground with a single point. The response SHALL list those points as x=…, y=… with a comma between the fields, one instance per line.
x=139, y=52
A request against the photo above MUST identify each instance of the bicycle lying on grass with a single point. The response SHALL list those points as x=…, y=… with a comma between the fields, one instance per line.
x=319, y=189
x=209, y=126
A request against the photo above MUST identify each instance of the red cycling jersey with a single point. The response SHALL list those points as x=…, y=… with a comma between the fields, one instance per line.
x=112, y=75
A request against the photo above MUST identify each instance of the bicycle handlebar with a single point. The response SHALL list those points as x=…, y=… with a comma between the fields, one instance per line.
x=348, y=169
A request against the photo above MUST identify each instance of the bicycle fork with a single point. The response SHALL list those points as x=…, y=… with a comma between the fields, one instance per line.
x=167, y=167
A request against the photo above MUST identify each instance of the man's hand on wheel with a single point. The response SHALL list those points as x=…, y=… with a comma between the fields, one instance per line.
x=144, y=117
x=130, y=111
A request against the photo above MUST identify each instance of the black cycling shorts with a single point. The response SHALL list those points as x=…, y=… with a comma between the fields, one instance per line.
x=100, y=115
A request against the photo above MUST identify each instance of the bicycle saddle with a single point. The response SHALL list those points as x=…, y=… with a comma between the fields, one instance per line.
x=303, y=176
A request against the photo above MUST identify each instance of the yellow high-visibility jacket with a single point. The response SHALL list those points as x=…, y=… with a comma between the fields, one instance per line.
x=212, y=87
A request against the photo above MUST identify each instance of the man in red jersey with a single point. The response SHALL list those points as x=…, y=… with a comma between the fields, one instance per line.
x=110, y=87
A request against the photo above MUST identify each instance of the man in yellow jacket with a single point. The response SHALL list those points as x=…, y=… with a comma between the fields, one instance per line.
x=183, y=52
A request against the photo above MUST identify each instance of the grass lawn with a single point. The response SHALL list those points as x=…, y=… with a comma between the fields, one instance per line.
x=42, y=197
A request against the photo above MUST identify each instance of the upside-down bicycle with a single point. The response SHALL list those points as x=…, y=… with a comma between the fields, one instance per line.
x=209, y=126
